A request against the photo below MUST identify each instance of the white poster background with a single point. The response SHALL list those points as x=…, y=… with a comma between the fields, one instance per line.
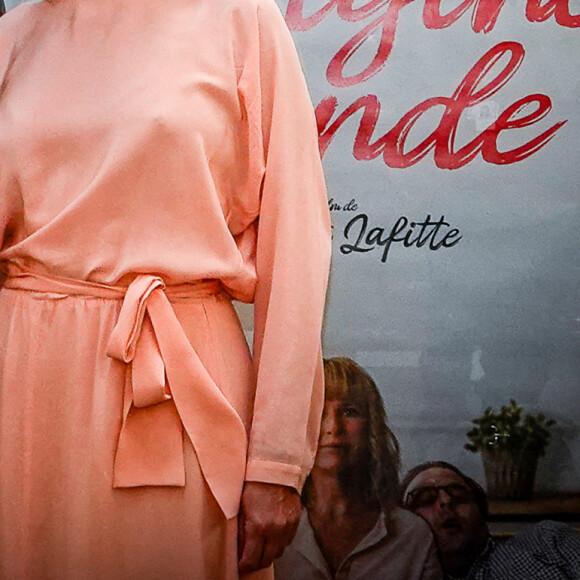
x=449, y=332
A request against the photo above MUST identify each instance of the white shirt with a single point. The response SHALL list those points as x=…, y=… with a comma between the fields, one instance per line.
x=398, y=548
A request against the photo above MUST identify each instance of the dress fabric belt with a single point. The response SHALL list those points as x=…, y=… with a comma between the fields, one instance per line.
x=167, y=388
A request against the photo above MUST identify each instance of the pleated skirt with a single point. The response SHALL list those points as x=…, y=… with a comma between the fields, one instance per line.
x=61, y=405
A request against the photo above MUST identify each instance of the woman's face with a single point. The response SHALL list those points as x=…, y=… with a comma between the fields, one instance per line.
x=343, y=435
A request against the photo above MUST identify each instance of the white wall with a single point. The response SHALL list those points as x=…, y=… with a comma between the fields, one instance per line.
x=13, y=3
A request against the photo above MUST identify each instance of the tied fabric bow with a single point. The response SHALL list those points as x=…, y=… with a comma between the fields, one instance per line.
x=168, y=387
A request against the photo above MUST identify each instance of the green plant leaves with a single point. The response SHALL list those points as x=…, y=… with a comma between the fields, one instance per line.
x=509, y=430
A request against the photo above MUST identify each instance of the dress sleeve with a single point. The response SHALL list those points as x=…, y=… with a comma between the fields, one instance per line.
x=292, y=256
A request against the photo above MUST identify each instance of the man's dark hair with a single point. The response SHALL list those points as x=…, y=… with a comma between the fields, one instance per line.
x=478, y=491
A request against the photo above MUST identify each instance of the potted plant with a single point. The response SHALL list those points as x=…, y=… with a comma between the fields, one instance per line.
x=510, y=443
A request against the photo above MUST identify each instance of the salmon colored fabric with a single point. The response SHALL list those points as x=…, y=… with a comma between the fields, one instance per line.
x=156, y=159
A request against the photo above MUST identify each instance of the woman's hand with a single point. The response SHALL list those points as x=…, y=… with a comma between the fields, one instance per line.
x=267, y=523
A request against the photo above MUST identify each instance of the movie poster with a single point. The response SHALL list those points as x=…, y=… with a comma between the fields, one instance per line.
x=449, y=132
x=449, y=135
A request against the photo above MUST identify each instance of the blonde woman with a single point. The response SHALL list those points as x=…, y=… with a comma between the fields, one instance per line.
x=350, y=526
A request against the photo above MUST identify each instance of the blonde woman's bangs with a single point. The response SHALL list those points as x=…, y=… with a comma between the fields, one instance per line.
x=345, y=380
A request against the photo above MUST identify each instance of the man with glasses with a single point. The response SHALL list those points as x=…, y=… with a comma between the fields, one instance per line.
x=455, y=506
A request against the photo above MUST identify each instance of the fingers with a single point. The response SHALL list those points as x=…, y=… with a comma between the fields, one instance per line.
x=251, y=558
x=262, y=544
x=267, y=524
x=272, y=550
x=241, y=535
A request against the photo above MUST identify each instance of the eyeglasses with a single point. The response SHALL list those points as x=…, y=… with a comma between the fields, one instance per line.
x=426, y=496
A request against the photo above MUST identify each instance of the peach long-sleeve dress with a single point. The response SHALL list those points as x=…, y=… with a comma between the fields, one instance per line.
x=157, y=158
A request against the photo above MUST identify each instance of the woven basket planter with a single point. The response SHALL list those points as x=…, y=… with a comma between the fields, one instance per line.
x=508, y=479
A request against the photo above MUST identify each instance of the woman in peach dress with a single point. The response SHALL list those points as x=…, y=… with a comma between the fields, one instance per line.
x=156, y=160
